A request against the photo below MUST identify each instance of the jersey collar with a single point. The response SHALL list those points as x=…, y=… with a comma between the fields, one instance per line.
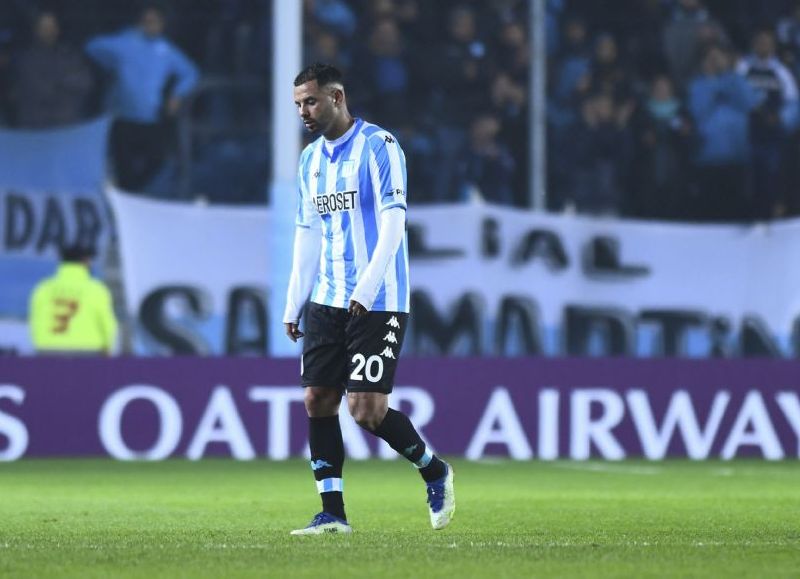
x=329, y=148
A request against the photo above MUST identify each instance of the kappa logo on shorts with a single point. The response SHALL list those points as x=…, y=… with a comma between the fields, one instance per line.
x=388, y=353
x=393, y=322
x=390, y=337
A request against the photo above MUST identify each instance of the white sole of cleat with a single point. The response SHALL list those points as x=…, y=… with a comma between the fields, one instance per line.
x=327, y=529
x=441, y=519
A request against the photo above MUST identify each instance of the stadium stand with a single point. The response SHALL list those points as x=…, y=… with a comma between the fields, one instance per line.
x=442, y=78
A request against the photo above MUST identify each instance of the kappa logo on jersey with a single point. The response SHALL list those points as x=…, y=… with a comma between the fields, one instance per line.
x=333, y=202
x=390, y=337
x=393, y=322
x=388, y=139
x=388, y=353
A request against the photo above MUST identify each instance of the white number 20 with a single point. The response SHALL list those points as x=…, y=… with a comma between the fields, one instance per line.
x=373, y=374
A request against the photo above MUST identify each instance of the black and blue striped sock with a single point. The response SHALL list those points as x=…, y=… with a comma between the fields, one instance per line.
x=397, y=430
x=327, y=460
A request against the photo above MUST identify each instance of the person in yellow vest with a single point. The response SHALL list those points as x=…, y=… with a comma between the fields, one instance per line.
x=71, y=313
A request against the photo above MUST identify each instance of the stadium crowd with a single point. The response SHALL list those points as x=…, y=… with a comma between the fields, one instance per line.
x=666, y=109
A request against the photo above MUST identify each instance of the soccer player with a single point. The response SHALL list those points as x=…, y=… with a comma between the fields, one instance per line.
x=351, y=258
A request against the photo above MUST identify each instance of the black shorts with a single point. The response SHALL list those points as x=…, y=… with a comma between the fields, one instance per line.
x=357, y=353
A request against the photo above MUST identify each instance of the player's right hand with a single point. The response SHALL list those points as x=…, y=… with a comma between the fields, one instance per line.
x=293, y=331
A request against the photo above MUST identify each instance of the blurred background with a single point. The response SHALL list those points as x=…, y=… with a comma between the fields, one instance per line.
x=586, y=177
x=611, y=180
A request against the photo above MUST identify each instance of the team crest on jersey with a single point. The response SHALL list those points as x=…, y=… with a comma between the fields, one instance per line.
x=334, y=202
x=348, y=168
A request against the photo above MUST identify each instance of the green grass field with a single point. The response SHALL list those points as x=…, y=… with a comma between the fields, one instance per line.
x=98, y=518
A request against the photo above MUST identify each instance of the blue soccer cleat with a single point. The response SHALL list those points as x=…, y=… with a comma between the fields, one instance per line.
x=442, y=500
x=324, y=523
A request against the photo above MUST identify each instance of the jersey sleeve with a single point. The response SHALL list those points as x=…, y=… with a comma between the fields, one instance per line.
x=307, y=215
x=388, y=171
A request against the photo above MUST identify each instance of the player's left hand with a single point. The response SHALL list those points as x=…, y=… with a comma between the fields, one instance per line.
x=356, y=309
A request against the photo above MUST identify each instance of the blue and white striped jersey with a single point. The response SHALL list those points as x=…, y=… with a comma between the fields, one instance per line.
x=347, y=183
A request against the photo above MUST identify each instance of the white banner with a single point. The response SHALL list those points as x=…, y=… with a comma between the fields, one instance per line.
x=195, y=276
x=485, y=280
x=606, y=286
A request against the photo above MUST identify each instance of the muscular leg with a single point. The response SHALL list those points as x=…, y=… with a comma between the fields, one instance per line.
x=327, y=448
x=371, y=411
x=321, y=402
x=368, y=408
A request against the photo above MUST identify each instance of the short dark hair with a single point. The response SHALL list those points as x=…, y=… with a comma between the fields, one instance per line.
x=324, y=74
x=76, y=253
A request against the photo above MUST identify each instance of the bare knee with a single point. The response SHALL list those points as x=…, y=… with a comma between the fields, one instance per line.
x=368, y=409
x=322, y=401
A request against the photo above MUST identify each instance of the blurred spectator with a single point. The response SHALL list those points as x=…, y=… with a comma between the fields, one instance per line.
x=336, y=15
x=742, y=18
x=663, y=140
x=234, y=31
x=770, y=123
x=607, y=73
x=599, y=156
x=640, y=30
x=151, y=77
x=689, y=30
x=422, y=152
x=384, y=75
x=326, y=47
x=572, y=65
x=71, y=313
x=510, y=105
x=568, y=73
x=554, y=10
x=511, y=51
x=464, y=69
x=415, y=21
x=720, y=102
x=462, y=90
x=51, y=82
x=486, y=167
x=788, y=33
